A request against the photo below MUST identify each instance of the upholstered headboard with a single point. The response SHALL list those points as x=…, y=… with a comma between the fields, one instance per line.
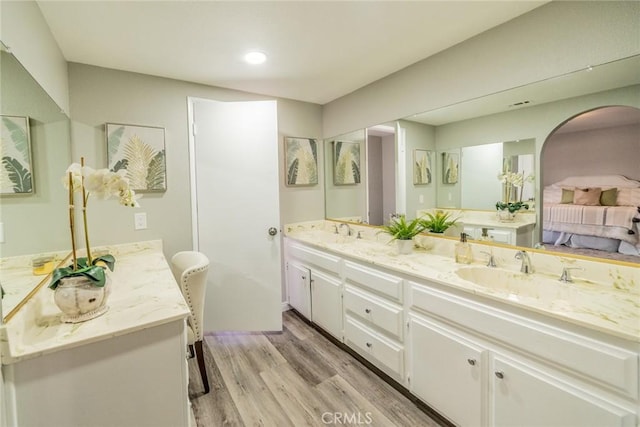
x=628, y=189
x=602, y=181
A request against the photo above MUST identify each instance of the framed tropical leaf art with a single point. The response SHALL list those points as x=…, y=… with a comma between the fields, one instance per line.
x=346, y=163
x=140, y=151
x=422, y=166
x=15, y=150
x=450, y=168
x=301, y=160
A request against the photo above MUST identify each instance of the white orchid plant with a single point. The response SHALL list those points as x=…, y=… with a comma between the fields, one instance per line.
x=102, y=184
x=512, y=181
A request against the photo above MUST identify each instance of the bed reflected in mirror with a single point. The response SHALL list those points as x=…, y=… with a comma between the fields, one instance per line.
x=591, y=178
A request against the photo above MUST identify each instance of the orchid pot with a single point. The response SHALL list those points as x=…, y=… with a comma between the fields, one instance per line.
x=81, y=289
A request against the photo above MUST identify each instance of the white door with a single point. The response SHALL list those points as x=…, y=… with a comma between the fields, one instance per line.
x=235, y=160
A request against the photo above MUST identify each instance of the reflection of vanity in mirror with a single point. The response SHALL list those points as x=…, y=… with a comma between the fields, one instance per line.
x=482, y=134
x=33, y=223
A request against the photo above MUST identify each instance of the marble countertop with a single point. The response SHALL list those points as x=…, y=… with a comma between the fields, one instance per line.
x=486, y=218
x=608, y=301
x=17, y=278
x=144, y=294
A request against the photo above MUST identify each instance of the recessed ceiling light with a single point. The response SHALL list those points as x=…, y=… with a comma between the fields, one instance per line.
x=255, y=57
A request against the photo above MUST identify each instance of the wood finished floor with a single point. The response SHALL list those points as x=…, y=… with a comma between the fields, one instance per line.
x=294, y=378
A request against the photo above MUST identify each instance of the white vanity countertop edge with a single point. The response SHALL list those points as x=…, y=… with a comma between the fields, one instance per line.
x=616, y=314
x=144, y=294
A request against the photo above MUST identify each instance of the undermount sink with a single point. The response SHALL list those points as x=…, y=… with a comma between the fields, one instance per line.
x=515, y=284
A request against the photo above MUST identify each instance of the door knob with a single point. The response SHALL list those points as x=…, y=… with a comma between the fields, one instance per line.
x=272, y=231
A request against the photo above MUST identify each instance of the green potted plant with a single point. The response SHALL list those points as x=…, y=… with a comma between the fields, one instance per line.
x=438, y=222
x=403, y=232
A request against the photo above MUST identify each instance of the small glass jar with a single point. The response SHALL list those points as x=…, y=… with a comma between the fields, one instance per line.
x=42, y=265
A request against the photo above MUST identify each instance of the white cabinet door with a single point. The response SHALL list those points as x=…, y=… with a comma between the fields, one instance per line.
x=446, y=371
x=326, y=303
x=299, y=284
x=525, y=396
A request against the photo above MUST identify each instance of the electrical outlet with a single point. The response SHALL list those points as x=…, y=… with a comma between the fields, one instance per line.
x=421, y=199
x=140, y=221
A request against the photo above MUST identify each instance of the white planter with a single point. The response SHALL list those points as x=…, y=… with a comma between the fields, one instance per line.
x=404, y=246
x=505, y=216
x=80, y=300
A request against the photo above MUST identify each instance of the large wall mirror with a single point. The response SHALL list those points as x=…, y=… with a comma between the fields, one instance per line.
x=482, y=134
x=35, y=222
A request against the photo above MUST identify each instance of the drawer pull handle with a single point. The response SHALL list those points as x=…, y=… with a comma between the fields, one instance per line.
x=500, y=374
x=367, y=310
x=304, y=277
x=369, y=344
x=472, y=362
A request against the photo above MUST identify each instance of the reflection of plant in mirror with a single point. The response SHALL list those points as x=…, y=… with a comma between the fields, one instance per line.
x=512, y=183
x=511, y=207
x=103, y=184
x=400, y=229
x=438, y=222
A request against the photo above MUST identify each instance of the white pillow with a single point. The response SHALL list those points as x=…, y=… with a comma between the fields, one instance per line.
x=628, y=197
x=552, y=194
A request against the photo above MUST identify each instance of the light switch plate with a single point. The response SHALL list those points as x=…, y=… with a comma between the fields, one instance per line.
x=140, y=220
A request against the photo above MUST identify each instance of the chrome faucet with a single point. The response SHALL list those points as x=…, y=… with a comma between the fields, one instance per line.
x=565, y=277
x=492, y=260
x=526, y=266
x=342, y=224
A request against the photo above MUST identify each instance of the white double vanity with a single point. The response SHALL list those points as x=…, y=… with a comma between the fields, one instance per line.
x=127, y=367
x=481, y=345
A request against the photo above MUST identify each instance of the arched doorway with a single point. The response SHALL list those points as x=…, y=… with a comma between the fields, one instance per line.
x=590, y=176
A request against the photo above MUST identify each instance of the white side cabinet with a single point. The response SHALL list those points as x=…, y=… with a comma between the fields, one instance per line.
x=299, y=287
x=137, y=379
x=314, y=286
x=326, y=302
x=447, y=371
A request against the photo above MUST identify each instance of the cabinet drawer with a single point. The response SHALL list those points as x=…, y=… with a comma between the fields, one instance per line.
x=611, y=366
x=374, y=346
x=502, y=236
x=374, y=280
x=379, y=313
x=317, y=258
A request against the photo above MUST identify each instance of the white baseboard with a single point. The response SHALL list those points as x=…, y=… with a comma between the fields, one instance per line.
x=285, y=306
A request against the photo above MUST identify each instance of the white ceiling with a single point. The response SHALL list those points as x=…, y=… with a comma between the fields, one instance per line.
x=317, y=50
